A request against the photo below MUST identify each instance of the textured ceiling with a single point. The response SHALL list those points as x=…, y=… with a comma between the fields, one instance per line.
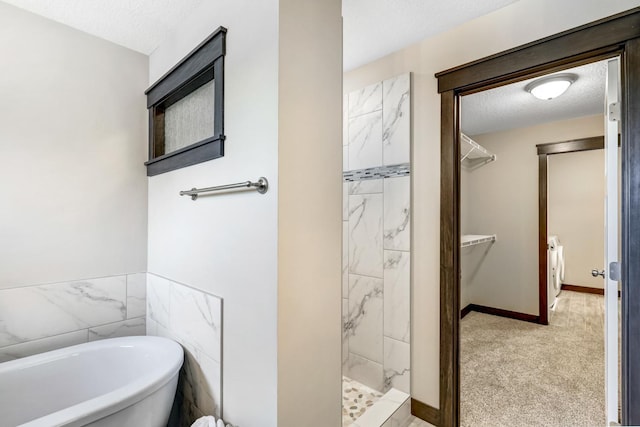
x=511, y=107
x=375, y=28
x=372, y=28
x=137, y=24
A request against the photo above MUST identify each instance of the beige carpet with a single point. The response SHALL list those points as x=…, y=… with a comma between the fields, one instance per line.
x=516, y=373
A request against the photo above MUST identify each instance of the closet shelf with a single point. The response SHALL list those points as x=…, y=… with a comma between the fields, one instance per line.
x=476, y=239
x=472, y=154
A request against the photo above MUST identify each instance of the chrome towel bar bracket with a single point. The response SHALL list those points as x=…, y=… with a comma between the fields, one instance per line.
x=261, y=186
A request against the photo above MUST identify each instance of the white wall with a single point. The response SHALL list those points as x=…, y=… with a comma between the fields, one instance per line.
x=264, y=254
x=227, y=245
x=73, y=137
x=576, y=213
x=514, y=25
x=502, y=199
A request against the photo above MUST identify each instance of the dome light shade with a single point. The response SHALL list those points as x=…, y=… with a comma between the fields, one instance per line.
x=551, y=86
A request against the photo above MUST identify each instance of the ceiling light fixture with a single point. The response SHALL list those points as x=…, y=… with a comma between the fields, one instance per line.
x=550, y=87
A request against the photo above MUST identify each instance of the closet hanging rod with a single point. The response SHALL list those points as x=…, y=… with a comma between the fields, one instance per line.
x=261, y=186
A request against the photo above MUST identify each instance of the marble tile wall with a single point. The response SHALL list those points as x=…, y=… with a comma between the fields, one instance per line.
x=376, y=235
x=396, y=120
x=401, y=417
x=365, y=234
x=194, y=319
x=39, y=318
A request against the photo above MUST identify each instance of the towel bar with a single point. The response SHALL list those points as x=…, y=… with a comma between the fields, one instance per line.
x=261, y=186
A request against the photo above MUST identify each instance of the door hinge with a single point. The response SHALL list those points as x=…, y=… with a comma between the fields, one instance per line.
x=614, y=271
x=614, y=112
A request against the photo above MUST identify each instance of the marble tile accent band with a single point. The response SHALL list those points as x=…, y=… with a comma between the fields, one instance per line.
x=377, y=172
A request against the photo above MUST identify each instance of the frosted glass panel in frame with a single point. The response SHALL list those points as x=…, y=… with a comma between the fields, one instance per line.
x=190, y=120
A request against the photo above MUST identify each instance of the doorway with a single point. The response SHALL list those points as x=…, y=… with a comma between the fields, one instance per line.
x=515, y=368
x=617, y=35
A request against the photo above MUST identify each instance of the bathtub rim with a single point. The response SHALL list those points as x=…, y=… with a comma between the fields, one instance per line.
x=115, y=400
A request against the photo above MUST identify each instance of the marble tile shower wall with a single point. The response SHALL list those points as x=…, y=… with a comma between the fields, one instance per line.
x=194, y=319
x=40, y=318
x=376, y=235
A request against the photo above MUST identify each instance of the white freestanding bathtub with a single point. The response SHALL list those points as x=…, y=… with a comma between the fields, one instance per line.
x=118, y=382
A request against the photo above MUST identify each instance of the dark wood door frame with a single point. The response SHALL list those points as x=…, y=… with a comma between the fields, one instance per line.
x=616, y=35
x=544, y=151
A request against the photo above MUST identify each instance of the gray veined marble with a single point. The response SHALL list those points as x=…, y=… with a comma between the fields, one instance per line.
x=200, y=383
x=345, y=258
x=370, y=186
x=55, y=342
x=345, y=157
x=365, y=234
x=365, y=141
x=345, y=119
x=37, y=312
x=396, y=120
x=376, y=168
x=158, y=289
x=210, y=382
x=151, y=327
x=397, y=295
x=196, y=317
x=136, y=295
x=126, y=328
x=402, y=417
x=345, y=334
x=366, y=100
x=365, y=371
x=162, y=331
x=345, y=201
x=397, y=213
x=364, y=324
x=397, y=363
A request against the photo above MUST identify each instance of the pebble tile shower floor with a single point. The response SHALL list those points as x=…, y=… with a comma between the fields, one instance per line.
x=356, y=399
